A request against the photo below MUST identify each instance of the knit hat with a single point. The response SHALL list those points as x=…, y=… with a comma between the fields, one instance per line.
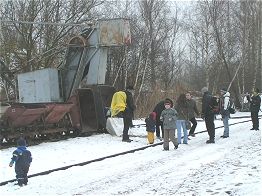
x=167, y=101
x=21, y=142
x=153, y=115
x=204, y=89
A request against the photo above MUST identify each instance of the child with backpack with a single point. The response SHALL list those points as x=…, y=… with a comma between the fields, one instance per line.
x=22, y=159
x=151, y=127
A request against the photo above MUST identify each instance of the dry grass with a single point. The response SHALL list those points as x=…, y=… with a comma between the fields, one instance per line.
x=148, y=100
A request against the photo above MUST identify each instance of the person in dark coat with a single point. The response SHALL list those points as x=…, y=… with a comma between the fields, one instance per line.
x=192, y=110
x=22, y=159
x=255, y=102
x=208, y=114
x=128, y=113
x=182, y=116
x=151, y=127
x=159, y=124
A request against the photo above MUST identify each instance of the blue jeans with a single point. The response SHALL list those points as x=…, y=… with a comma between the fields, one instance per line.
x=226, y=127
x=181, y=124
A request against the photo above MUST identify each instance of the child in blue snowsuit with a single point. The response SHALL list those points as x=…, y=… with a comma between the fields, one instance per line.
x=22, y=159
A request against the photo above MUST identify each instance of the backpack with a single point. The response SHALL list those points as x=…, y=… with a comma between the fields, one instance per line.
x=231, y=107
x=214, y=105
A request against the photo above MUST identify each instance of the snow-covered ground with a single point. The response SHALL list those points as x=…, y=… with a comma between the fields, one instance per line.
x=231, y=166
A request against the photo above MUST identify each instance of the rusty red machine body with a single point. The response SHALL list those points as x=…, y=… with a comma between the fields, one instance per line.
x=72, y=98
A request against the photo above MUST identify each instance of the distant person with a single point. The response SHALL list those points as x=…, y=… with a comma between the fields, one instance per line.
x=255, y=102
x=182, y=116
x=224, y=104
x=122, y=106
x=169, y=117
x=208, y=114
x=159, y=124
x=151, y=127
x=245, y=105
x=192, y=110
x=22, y=159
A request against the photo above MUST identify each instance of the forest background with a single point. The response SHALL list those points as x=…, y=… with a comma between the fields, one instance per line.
x=177, y=46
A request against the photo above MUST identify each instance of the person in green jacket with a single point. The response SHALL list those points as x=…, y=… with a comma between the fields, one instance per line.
x=169, y=117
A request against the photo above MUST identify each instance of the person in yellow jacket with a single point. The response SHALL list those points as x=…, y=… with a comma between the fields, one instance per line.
x=118, y=104
x=122, y=106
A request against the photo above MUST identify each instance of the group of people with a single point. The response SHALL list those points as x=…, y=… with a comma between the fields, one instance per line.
x=169, y=117
x=166, y=117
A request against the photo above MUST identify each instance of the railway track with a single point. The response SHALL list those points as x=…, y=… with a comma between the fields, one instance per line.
x=60, y=136
x=110, y=156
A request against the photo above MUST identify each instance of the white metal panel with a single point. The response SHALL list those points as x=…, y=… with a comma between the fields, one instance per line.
x=39, y=86
x=26, y=88
x=54, y=84
x=97, y=69
x=42, y=85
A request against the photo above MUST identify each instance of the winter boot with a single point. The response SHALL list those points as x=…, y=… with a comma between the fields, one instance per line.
x=19, y=182
x=210, y=141
x=192, y=134
x=127, y=140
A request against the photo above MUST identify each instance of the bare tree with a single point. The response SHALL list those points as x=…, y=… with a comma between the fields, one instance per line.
x=34, y=33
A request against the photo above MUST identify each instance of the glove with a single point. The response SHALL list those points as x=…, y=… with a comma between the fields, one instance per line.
x=11, y=164
x=203, y=116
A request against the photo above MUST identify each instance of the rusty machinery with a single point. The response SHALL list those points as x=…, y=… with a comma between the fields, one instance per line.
x=72, y=97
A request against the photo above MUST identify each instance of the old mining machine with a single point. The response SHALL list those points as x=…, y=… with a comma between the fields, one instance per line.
x=71, y=98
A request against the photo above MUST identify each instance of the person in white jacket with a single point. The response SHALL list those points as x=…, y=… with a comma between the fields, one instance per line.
x=224, y=105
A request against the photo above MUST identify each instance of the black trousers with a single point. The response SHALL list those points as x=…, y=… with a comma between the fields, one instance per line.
x=159, y=124
x=21, y=174
x=254, y=117
x=210, y=125
x=193, y=128
x=127, y=118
